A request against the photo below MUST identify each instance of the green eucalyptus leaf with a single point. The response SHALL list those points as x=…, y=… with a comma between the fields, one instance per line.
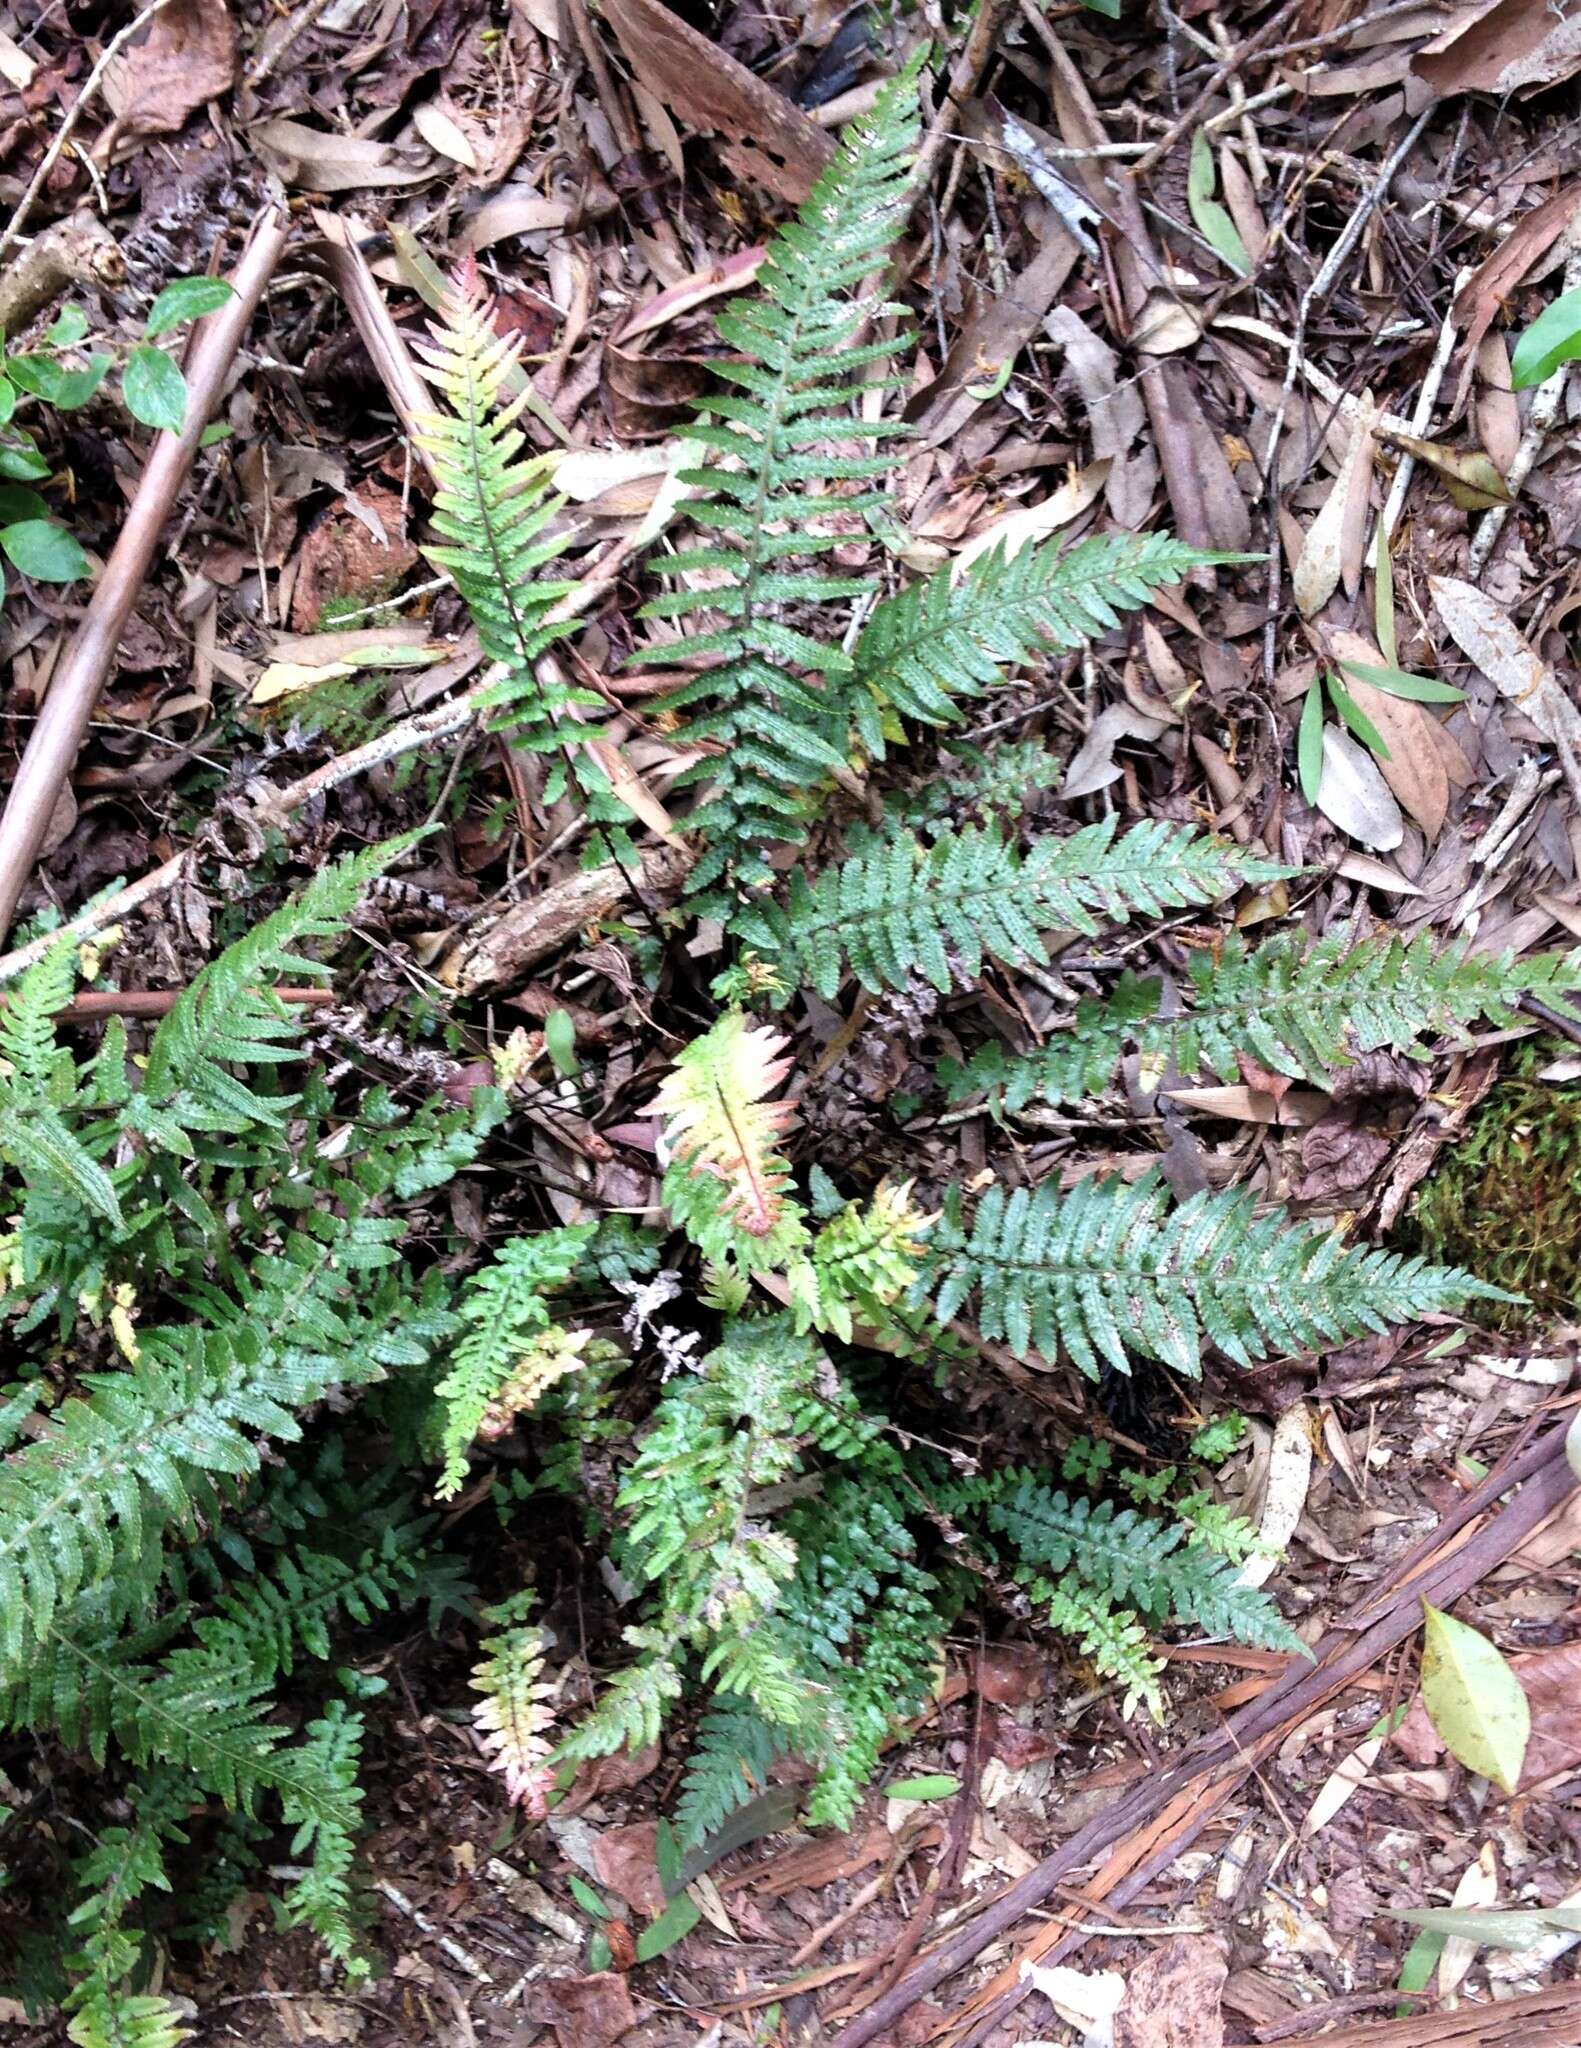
x=1553, y=339
x=1309, y=743
x=1358, y=721
x=1399, y=682
x=154, y=389
x=1474, y=1699
x=679, y=1917
x=931, y=1785
x=185, y=298
x=1213, y=223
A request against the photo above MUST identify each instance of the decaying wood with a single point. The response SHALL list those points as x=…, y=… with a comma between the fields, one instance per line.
x=77, y=250
x=531, y=931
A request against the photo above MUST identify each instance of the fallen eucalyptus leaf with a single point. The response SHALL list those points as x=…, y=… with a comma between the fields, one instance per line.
x=1474, y=1699
x=1354, y=796
x=1484, y=631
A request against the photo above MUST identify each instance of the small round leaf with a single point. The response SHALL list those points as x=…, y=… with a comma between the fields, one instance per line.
x=44, y=551
x=22, y=463
x=185, y=298
x=154, y=389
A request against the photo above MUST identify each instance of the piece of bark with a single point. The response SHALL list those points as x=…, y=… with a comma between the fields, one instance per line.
x=531, y=931
x=77, y=250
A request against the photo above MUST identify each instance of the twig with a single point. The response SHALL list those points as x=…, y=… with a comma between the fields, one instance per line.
x=1317, y=290
x=159, y=1002
x=1192, y=1791
x=1427, y=398
x=57, y=734
x=1545, y=410
x=363, y=300
x=63, y=133
x=462, y=1958
x=1232, y=64
x=969, y=68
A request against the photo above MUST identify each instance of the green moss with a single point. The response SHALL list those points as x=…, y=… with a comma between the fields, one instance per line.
x=1506, y=1202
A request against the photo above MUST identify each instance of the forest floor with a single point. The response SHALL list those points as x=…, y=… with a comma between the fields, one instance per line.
x=1402, y=184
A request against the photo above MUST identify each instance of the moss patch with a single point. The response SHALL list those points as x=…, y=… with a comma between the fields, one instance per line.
x=1506, y=1203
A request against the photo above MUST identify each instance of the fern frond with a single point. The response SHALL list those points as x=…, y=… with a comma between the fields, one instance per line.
x=863, y=1260
x=901, y=907
x=124, y=1864
x=230, y=1017
x=322, y=1799
x=726, y=1183
x=38, y=1082
x=773, y=500
x=512, y=1717
x=1297, y=1010
x=1110, y=1635
x=1111, y=1269
x=950, y=636
x=731, y=1757
x=493, y=507
x=507, y=1321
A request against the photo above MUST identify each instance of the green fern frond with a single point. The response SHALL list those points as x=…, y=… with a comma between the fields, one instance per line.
x=726, y=1183
x=1110, y=1635
x=731, y=1756
x=774, y=500
x=124, y=1864
x=952, y=635
x=1111, y=1269
x=863, y=1261
x=1297, y=1010
x=506, y=1319
x=38, y=1085
x=230, y=1018
x=322, y=1799
x=900, y=907
x=493, y=508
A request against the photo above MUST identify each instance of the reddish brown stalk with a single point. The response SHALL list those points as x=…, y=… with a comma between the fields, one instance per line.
x=159, y=1002
x=51, y=750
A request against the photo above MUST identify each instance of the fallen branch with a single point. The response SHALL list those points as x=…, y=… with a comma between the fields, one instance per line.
x=52, y=746
x=1143, y=1833
x=147, y=1003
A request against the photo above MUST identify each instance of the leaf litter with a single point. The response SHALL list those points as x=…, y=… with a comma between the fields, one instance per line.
x=1108, y=341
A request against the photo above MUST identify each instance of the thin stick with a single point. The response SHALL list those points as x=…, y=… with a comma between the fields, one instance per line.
x=1227, y=69
x=51, y=156
x=1421, y=418
x=1545, y=410
x=57, y=733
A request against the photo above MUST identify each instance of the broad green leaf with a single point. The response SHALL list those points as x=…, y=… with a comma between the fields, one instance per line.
x=154, y=389
x=679, y=1917
x=44, y=551
x=185, y=298
x=587, y=1898
x=1309, y=743
x=7, y=399
x=598, y=1954
x=1554, y=338
x=22, y=463
x=1213, y=223
x=1399, y=682
x=216, y=430
x=18, y=502
x=936, y=1785
x=1109, y=9
x=667, y=1859
x=1358, y=721
x=559, y=1037
x=1474, y=1699
x=67, y=328
x=64, y=389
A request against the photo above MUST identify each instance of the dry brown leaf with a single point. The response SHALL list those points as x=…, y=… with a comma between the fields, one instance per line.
x=443, y=135
x=766, y=137
x=994, y=335
x=1115, y=414
x=184, y=58
x=585, y=2012
x=316, y=161
x=1511, y=46
x=1173, y=1999
x=1353, y=794
x=1485, y=631
x=1469, y=473
x=1094, y=766
x=1036, y=522
x=1482, y=295
x=1317, y=573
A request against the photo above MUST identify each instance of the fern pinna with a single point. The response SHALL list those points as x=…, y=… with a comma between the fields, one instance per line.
x=778, y=497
